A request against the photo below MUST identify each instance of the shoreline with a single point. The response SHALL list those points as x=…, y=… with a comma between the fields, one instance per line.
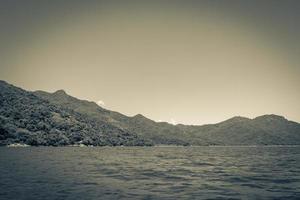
x=19, y=145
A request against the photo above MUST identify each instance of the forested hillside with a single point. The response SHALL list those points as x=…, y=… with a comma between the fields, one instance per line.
x=58, y=119
x=26, y=118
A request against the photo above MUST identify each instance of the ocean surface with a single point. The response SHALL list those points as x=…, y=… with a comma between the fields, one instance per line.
x=150, y=173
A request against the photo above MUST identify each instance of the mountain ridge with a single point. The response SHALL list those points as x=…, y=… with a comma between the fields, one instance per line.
x=62, y=92
x=65, y=112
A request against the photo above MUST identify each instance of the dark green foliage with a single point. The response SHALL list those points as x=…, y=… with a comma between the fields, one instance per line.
x=41, y=118
x=269, y=129
x=29, y=119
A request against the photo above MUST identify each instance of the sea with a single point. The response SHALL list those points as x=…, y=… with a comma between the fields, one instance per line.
x=159, y=172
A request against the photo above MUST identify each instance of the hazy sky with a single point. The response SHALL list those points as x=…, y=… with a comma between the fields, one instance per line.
x=191, y=62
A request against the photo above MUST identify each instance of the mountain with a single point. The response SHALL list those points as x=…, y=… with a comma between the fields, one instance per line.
x=42, y=118
x=145, y=128
x=27, y=118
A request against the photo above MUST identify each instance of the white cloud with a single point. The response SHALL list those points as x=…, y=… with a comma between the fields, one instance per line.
x=100, y=103
x=172, y=121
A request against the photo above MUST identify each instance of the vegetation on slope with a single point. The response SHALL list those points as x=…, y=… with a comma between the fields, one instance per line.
x=26, y=118
x=56, y=119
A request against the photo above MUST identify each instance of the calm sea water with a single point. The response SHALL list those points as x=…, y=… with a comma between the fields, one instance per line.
x=150, y=173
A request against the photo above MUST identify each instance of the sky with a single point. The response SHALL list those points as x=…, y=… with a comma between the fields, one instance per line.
x=189, y=62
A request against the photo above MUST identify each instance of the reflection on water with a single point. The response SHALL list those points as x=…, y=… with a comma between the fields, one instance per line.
x=150, y=173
